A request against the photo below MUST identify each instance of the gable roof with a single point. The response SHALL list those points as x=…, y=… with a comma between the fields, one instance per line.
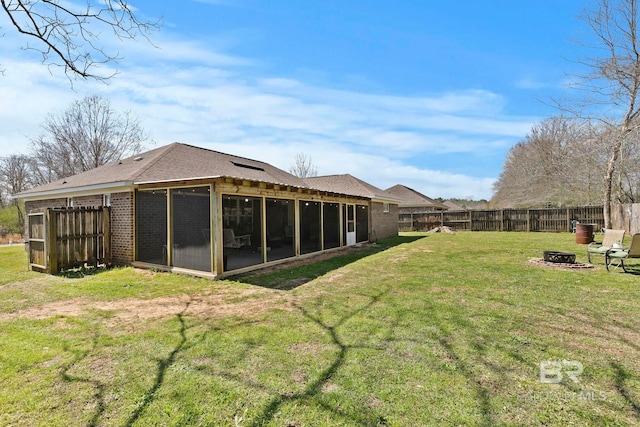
x=412, y=198
x=348, y=184
x=173, y=162
x=180, y=162
x=454, y=206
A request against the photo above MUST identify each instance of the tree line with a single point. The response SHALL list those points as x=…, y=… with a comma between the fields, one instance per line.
x=88, y=134
x=588, y=154
x=563, y=162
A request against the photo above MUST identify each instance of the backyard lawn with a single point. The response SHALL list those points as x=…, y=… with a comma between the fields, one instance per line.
x=419, y=330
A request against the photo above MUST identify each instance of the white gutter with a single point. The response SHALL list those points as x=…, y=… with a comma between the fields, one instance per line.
x=87, y=190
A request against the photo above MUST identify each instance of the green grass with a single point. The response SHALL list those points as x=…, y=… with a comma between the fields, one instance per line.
x=9, y=219
x=418, y=330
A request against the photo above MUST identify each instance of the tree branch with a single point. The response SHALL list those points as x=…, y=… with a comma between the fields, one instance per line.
x=69, y=38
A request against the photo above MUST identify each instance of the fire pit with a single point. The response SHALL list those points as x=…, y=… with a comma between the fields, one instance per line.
x=559, y=257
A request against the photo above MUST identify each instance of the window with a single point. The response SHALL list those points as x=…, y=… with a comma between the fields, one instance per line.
x=106, y=200
x=386, y=208
x=69, y=202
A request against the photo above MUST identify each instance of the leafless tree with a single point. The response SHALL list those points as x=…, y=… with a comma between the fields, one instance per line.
x=611, y=86
x=303, y=166
x=87, y=135
x=556, y=165
x=68, y=35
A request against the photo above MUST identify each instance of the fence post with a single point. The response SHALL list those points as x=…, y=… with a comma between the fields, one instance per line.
x=528, y=220
x=106, y=234
x=51, y=242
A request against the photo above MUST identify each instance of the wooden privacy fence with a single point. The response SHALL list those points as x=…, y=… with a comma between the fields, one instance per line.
x=541, y=219
x=62, y=238
x=626, y=217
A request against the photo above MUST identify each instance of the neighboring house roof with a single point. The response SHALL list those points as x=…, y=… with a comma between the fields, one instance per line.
x=453, y=206
x=411, y=198
x=348, y=184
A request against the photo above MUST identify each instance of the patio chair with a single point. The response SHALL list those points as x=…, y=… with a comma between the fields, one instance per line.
x=618, y=256
x=233, y=241
x=610, y=237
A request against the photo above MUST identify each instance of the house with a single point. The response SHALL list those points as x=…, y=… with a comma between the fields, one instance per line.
x=412, y=201
x=453, y=206
x=185, y=208
x=415, y=210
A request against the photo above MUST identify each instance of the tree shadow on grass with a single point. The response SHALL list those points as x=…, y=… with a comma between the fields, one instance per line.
x=621, y=377
x=163, y=364
x=292, y=274
x=314, y=388
x=97, y=385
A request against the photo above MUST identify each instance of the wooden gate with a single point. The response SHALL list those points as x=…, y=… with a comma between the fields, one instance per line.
x=62, y=238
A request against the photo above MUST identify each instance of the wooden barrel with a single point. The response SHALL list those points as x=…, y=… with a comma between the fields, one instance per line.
x=584, y=233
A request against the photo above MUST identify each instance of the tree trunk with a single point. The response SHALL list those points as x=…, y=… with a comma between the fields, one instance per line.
x=608, y=180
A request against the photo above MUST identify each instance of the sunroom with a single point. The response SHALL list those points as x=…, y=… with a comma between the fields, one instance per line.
x=227, y=226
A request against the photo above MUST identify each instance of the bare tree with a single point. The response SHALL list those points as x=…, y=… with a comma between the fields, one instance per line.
x=87, y=135
x=554, y=166
x=68, y=35
x=303, y=166
x=612, y=84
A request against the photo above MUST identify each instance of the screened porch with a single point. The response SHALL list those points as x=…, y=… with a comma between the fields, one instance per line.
x=174, y=228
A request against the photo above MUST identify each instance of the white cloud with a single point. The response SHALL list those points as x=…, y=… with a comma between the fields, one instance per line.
x=186, y=92
x=531, y=83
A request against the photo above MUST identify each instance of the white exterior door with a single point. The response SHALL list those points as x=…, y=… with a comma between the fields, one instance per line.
x=350, y=222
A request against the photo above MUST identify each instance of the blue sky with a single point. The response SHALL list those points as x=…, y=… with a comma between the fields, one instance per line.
x=429, y=94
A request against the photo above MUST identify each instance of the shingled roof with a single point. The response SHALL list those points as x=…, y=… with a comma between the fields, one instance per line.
x=181, y=162
x=412, y=198
x=348, y=184
x=173, y=162
x=453, y=206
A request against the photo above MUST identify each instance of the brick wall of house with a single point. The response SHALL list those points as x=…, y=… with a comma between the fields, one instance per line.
x=122, y=226
x=94, y=201
x=383, y=224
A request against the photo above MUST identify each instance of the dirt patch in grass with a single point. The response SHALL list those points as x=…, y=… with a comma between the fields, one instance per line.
x=222, y=303
x=576, y=266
